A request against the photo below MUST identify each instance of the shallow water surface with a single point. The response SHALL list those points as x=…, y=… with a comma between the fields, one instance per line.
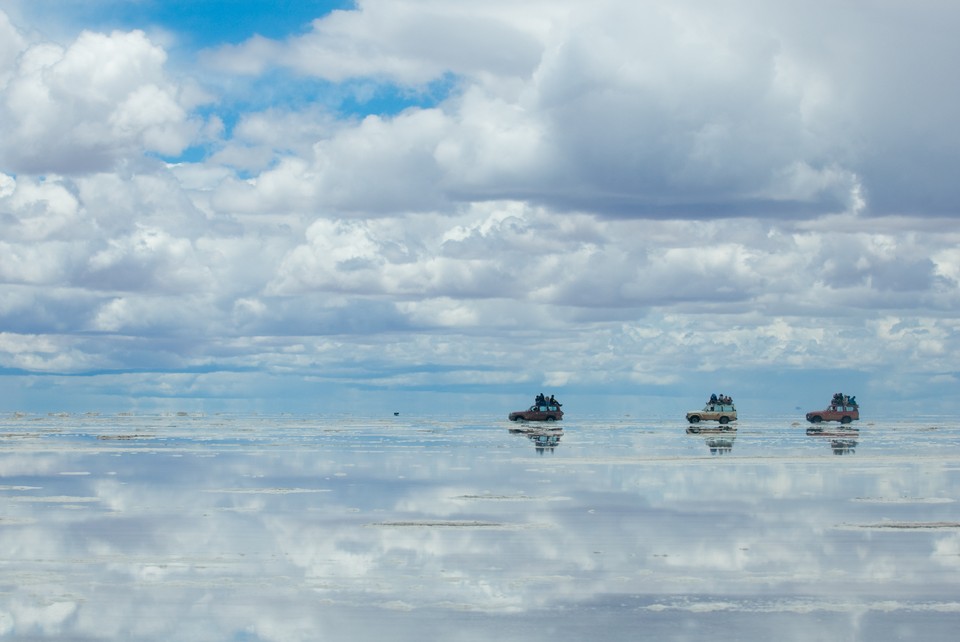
x=307, y=528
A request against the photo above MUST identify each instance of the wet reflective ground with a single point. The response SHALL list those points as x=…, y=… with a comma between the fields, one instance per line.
x=309, y=528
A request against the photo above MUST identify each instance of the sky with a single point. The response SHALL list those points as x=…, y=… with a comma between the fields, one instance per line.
x=446, y=205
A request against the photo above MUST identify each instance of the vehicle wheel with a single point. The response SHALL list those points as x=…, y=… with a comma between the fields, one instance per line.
x=694, y=419
x=724, y=420
x=551, y=418
x=518, y=418
x=845, y=419
x=693, y=431
x=816, y=419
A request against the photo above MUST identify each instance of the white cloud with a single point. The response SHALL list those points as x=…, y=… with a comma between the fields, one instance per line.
x=412, y=42
x=148, y=260
x=44, y=353
x=48, y=209
x=11, y=44
x=635, y=189
x=81, y=108
x=653, y=108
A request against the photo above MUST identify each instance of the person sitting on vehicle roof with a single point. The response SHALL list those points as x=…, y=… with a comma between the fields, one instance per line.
x=713, y=398
x=554, y=402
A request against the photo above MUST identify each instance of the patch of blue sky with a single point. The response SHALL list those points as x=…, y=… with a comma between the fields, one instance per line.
x=363, y=98
x=203, y=24
x=196, y=24
x=285, y=90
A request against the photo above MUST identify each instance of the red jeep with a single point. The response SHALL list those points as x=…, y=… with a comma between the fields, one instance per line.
x=835, y=412
x=543, y=412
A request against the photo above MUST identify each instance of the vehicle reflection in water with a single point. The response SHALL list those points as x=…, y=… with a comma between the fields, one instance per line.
x=843, y=441
x=544, y=439
x=719, y=439
x=720, y=445
x=303, y=528
x=843, y=446
x=711, y=430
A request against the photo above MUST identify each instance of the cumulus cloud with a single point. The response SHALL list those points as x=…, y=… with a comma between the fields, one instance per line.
x=84, y=107
x=653, y=109
x=638, y=190
x=408, y=41
x=11, y=44
x=46, y=209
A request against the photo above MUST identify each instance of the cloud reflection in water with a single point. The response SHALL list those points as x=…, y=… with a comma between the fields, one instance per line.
x=308, y=528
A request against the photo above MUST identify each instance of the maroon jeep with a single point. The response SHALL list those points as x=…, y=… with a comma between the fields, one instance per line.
x=544, y=412
x=835, y=412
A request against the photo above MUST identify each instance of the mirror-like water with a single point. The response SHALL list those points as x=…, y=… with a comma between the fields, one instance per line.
x=307, y=528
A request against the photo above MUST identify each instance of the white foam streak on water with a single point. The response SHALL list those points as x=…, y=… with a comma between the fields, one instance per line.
x=257, y=528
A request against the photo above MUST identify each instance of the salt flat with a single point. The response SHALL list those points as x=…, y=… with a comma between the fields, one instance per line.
x=339, y=527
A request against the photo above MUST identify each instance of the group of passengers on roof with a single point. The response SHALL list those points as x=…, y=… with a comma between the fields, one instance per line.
x=721, y=398
x=543, y=401
x=840, y=399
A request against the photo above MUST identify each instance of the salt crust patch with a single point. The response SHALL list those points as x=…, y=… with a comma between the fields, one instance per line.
x=428, y=523
x=470, y=607
x=439, y=524
x=511, y=498
x=56, y=499
x=906, y=525
x=805, y=606
x=267, y=491
x=904, y=500
x=124, y=437
x=16, y=521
